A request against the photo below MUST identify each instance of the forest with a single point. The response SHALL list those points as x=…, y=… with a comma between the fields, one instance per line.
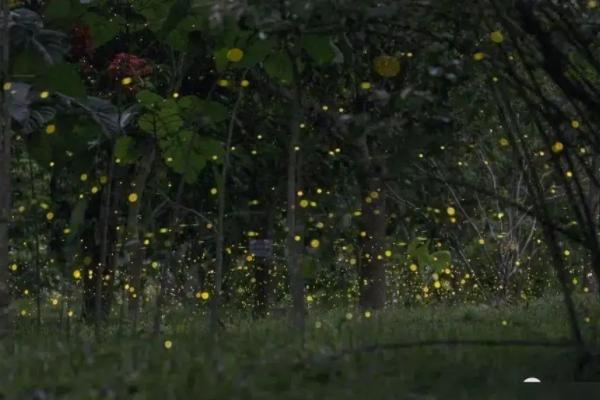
x=299, y=199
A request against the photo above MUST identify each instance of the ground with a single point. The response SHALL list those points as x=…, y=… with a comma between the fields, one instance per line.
x=343, y=355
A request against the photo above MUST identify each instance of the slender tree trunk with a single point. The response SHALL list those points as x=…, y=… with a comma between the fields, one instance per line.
x=262, y=269
x=220, y=238
x=134, y=243
x=5, y=161
x=36, y=255
x=170, y=261
x=105, y=217
x=295, y=273
x=373, y=224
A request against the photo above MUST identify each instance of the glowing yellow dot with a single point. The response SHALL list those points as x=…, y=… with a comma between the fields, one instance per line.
x=50, y=129
x=214, y=191
x=481, y=241
x=592, y=4
x=77, y=274
x=575, y=124
x=569, y=174
x=204, y=296
x=304, y=203
x=367, y=314
x=451, y=211
x=437, y=284
x=44, y=94
x=504, y=142
x=7, y=86
x=94, y=189
x=365, y=85
x=133, y=197
x=50, y=216
x=388, y=253
x=168, y=344
x=235, y=55
x=557, y=147
x=223, y=82
x=497, y=37
x=387, y=66
x=13, y=267
x=126, y=81
x=413, y=267
x=297, y=238
x=175, y=95
x=479, y=56
x=103, y=179
x=83, y=177
x=348, y=316
x=315, y=243
x=504, y=322
x=245, y=83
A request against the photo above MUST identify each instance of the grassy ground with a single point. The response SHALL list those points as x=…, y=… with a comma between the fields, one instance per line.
x=339, y=358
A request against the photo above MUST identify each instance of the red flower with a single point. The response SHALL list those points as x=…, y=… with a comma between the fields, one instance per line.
x=129, y=65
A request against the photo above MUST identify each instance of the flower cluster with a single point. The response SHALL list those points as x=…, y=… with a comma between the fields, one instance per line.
x=129, y=65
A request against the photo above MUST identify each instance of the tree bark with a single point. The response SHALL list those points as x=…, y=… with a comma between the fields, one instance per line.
x=134, y=245
x=5, y=182
x=373, y=225
x=292, y=246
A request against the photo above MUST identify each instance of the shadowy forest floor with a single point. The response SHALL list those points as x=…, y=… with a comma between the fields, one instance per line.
x=343, y=355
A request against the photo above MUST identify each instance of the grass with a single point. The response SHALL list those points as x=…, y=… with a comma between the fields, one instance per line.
x=338, y=358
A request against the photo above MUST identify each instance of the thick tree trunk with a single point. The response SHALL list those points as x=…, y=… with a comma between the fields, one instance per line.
x=5, y=183
x=373, y=225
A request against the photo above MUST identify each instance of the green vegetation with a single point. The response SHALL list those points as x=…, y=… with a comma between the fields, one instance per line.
x=339, y=356
x=281, y=198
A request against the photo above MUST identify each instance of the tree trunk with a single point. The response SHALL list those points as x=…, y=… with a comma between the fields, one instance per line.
x=103, y=233
x=262, y=270
x=5, y=183
x=373, y=225
x=292, y=246
x=133, y=244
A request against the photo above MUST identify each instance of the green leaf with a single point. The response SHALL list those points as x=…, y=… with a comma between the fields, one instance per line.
x=255, y=53
x=440, y=260
x=221, y=61
x=155, y=12
x=63, y=78
x=125, y=150
x=63, y=10
x=319, y=48
x=103, y=29
x=27, y=64
x=280, y=67
x=149, y=99
x=213, y=110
